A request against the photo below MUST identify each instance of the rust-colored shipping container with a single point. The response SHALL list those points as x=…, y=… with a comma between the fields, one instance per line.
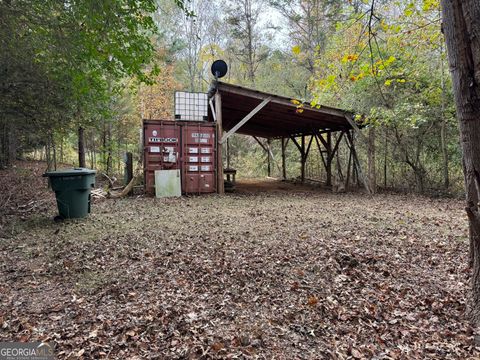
x=162, y=149
x=198, y=168
x=189, y=146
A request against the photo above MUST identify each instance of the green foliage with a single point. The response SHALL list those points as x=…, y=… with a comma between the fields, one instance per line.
x=392, y=70
x=63, y=61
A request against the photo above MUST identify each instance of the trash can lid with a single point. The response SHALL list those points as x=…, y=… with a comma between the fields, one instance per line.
x=70, y=172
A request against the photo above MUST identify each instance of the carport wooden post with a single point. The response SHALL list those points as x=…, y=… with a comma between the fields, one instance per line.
x=329, y=159
x=218, y=115
x=347, y=181
x=228, y=153
x=269, y=151
x=303, y=159
x=284, y=167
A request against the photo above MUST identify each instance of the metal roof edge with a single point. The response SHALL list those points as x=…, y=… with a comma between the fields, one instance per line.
x=219, y=85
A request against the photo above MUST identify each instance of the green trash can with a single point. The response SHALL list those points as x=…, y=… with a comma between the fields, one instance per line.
x=72, y=189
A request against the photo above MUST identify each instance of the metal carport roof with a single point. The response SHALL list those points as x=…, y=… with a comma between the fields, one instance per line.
x=279, y=117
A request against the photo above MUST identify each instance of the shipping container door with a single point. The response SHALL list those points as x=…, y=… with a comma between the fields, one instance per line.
x=198, y=158
x=161, y=149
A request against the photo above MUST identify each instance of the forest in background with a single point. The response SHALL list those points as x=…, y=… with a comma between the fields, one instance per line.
x=98, y=67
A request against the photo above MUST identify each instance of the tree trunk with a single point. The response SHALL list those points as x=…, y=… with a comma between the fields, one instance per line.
x=47, y=154
x=104, y=149
x=419, y=173
x=12, y=142
x=81, y=147
x=250, y=49
x=372, y=177
x=419, y=180
x=109, y=149
x=443, y=145
x=90, y=142
x=93, y=150
x=54, y=148
x=385, y=158
x=443, y=127
x=61, y=150
x=461, y=25
x=4, y=161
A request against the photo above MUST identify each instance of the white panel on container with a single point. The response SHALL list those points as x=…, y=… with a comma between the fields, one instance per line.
x=193, y=159
x=154, y=149
x=205, y=159
x=170, y=158
x=201, y=135
x=205, y=168
x=193, y=150
x=192, y=168
x=167, y=183
x=206, y=151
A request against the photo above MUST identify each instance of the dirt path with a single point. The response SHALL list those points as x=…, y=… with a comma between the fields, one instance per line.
x=302, y=274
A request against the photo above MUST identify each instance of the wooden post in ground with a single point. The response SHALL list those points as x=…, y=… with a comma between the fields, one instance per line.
x=228, y=153
x=128, y=168
x=284, y=168
x=218, y=115
x=269, y=160
x=302, y=153
x=347, y=181
x=329, y=159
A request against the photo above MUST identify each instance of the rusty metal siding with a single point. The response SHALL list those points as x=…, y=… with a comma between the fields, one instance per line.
x=188, y=146
x=162, y=149
x=199, y=171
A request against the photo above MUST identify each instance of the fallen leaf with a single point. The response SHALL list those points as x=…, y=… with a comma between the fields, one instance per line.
x=312, y=300
x=217, y=346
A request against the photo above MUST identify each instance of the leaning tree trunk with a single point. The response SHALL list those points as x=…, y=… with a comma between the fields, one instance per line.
x=461, y=25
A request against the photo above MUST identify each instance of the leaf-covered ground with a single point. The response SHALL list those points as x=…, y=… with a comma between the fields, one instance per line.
x=275, y=271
